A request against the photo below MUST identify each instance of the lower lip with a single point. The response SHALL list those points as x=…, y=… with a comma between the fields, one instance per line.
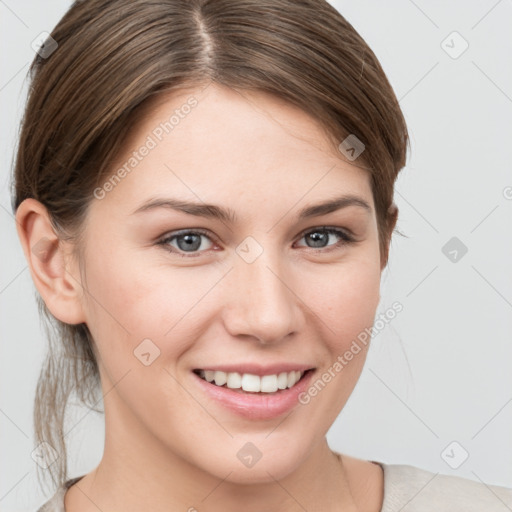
x=256, y=406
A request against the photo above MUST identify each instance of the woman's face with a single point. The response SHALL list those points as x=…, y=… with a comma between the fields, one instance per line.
x=260, y=285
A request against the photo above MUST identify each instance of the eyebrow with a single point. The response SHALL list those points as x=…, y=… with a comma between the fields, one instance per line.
x=228, y=215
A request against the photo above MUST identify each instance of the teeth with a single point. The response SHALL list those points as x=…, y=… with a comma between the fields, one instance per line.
x=268, y=384
x=220, y=378
x=250, y=382
x=234, y=380
x=282, y=380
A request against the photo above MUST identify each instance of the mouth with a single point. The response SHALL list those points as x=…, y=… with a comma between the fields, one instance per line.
x=253, y=384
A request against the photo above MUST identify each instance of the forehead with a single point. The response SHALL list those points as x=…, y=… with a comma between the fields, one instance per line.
x=222, y=144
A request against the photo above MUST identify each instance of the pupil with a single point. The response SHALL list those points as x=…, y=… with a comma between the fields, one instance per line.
x=189, y=242
x=318, y=237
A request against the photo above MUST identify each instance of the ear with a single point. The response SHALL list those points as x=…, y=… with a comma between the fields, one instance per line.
x=55, y=275
x=392, y=217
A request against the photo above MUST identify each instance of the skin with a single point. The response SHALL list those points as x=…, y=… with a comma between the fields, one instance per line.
x=167, y=445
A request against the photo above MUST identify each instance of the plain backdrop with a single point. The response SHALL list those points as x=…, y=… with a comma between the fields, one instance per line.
x=437, y=386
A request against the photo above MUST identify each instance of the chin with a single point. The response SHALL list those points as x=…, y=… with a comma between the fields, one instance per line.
x=258, y=461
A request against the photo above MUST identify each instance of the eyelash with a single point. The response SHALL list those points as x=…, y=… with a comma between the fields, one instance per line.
x=345, y=240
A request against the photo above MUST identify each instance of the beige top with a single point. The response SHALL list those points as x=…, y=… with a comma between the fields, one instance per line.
x=420, y=490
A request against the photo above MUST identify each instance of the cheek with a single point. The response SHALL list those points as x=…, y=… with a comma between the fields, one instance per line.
x=140, y=319
x=347, y=309
x=130, y=301
x=348, y=299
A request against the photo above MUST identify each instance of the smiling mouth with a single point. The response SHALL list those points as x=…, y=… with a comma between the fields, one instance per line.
x=250, y=383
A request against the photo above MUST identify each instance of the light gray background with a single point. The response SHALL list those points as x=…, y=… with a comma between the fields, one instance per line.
x=441, y=370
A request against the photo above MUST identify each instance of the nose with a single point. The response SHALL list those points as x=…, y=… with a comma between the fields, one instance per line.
x=261, y=302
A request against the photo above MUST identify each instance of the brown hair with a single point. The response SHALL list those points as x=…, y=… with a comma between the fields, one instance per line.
x=114, y=55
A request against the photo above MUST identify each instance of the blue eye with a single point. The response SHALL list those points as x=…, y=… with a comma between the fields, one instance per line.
x=186, y=240
x=324, y=233
x=189, y=242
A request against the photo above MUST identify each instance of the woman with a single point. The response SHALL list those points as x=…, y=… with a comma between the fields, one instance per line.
x=204, y=193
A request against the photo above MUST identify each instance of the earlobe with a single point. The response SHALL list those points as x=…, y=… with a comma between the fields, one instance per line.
x=52, y=270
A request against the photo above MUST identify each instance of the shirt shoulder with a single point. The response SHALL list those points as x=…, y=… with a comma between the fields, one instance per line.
x=56, y=502
x=413, y=489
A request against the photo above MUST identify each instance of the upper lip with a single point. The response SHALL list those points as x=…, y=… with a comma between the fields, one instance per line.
x=257, y=369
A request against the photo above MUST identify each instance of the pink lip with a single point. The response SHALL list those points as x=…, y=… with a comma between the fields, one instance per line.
x=256, y=406
x=257, y=369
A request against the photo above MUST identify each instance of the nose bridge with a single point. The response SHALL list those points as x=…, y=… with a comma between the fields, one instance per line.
x=263, y=304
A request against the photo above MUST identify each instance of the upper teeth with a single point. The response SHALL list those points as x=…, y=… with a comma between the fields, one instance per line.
x=250, y=382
